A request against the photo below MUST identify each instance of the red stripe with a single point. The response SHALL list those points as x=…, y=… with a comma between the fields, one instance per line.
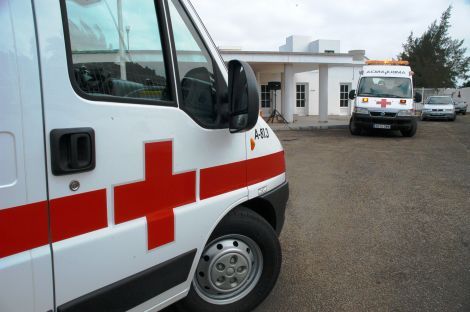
x=78, y=214
x=23, y=228
x=266, y=167
x=226, y=178
x=26, y=227
x=222, y=179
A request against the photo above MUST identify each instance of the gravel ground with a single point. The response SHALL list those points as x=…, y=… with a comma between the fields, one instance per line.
x=377, y=222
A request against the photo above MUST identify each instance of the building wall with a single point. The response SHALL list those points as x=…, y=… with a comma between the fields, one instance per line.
x=336, y=76
x=311, y=79
x=322, y=46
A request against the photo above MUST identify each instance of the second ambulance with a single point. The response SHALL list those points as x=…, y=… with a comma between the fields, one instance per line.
x=384, y=99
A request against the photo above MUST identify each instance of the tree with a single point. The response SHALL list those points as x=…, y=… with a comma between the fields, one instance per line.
x=437, y=60
x=466, y=84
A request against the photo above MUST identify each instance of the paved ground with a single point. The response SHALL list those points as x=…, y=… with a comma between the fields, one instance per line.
x=377, y=223
x=312, y=123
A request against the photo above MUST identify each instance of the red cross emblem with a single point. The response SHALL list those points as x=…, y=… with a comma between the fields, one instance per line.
x=383, y=103
x=156, y=196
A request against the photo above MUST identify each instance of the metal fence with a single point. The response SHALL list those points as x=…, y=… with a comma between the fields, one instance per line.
x=427, y=92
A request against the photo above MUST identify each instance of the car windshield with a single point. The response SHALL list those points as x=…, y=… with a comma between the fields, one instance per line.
x=385, y=87
x=439, y=100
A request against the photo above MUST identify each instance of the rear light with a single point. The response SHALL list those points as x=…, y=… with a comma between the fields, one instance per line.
x=402, y=101
x=365, y=100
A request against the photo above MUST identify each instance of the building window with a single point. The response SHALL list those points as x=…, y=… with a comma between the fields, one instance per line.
x=265, y=96
x=344, y=95
x=300, y=95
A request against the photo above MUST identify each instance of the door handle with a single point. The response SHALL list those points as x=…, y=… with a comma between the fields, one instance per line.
x=72, y=150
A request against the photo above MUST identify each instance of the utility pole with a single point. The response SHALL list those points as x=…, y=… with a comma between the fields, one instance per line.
x=128, y=29
x=122, y=57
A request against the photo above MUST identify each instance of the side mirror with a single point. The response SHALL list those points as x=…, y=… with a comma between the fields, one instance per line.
x=418, y=97
x=352, y=94
x=243, y=96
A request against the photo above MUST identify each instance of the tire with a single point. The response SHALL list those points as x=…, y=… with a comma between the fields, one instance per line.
x=464, y=113
x=242, y=237
x=422, y=118
x=453, y=118
x=412, y=131
x=354, y=129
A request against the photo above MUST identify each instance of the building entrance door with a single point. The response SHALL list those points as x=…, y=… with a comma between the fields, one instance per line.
x=301, y=108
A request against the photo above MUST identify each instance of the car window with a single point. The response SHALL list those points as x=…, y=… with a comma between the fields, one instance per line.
x=440, y=100
x=202, y=86
x=116, y=50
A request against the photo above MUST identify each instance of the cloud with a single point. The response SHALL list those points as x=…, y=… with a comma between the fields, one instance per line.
x=378, y=27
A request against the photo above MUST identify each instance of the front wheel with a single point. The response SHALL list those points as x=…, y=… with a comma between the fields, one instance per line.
x=353, y=128
x=412, y=131
x=238, y=267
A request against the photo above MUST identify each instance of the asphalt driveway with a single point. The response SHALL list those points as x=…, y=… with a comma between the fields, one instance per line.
x=377, y=223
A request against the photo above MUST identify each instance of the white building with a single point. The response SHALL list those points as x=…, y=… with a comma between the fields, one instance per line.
x=315, y=76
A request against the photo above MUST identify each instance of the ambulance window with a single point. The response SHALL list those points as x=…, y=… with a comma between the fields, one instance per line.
x=201, y=83
x=116, y=50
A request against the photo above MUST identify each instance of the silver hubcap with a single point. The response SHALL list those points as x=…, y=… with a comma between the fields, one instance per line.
x=229, y=269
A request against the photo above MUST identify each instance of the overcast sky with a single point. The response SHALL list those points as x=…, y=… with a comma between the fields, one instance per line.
x=379, y=27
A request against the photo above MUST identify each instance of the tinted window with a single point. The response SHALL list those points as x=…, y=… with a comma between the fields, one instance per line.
x=201, y=84
x=116, y=48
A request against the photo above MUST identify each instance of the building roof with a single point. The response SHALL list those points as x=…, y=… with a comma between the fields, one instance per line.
x=355, y=57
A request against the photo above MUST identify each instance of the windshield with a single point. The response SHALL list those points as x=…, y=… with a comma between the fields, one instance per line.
x=385, y=87
x=439, y=100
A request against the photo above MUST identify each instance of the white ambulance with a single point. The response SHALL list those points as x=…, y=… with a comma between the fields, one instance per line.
x=384, y=99
x=134, y=170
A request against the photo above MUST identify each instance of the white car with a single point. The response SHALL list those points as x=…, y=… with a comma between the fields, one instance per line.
x=461, y=107
x=439, y=107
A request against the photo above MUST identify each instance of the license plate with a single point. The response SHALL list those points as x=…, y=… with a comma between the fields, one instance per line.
x=379, y=126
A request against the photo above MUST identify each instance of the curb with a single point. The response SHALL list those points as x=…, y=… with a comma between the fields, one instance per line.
x=312, y=128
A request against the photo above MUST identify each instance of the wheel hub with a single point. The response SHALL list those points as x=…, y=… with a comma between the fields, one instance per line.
x=229, y=269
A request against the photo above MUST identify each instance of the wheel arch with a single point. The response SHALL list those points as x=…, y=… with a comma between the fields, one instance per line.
x=263, y=208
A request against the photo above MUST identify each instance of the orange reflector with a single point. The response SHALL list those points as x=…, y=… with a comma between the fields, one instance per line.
x=402, y=101
x=365, y=100
x=391, y=62
x=252, y=144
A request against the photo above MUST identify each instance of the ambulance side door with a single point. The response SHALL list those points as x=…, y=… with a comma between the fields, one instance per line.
x=133, y=108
